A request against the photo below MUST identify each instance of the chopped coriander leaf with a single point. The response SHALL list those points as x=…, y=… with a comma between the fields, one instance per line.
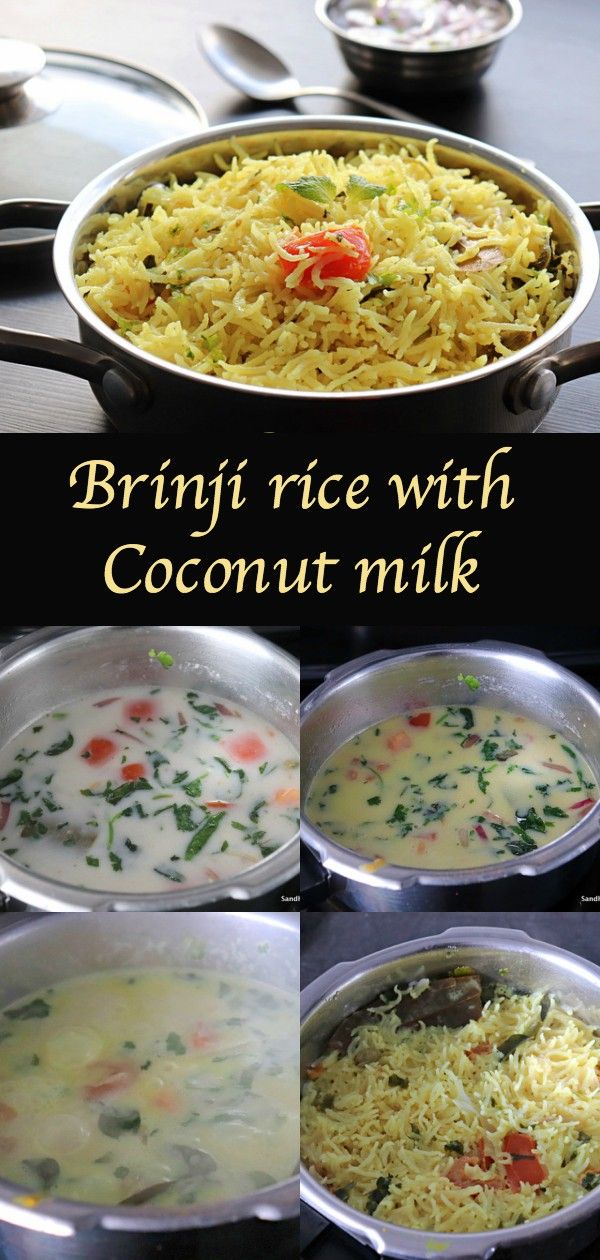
x=164, y=658
x=472, y=683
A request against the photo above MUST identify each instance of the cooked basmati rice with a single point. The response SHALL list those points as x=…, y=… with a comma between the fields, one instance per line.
x=193, y=273
x=358, y=1127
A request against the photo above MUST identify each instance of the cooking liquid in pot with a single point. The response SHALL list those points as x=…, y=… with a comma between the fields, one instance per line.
x=155, y=787
x=451, y=787
x=113, y=1084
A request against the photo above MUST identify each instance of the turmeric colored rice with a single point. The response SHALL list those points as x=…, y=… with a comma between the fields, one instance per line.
x=414, y=1126
x=460, y=275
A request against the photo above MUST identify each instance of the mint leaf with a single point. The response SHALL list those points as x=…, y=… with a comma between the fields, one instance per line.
x=363, y=189
x=313, y=187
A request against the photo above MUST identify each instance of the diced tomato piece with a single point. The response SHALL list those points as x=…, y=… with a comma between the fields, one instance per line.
x=420, y=719
x=167, y=1100
x=483, y=1048
x=140, y=710
x=7, y=1113
x=518, y=1144
x=398, y=741
x=459, y=1176
x=484, y=1161
x=481, y=832
x=98, y=751
x=526, y=1168
x=135, y=770
x=333, y=258
x=248, y=748
x=202, y=1037
x=287, y=796
x=115, y=1076
x=4, y=812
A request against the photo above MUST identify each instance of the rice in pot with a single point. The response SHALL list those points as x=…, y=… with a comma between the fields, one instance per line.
x=459, y=1129
x=201, y=274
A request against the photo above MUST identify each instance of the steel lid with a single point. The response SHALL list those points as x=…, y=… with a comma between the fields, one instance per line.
x=66, y=115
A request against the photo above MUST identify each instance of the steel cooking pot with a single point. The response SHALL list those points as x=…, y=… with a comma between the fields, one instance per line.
x=503, y=955
x=41, y=951
x=42, y=670
x=382, y=684
x=141, y=393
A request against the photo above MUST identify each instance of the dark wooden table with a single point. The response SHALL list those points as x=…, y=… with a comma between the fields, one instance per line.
x=540, y=100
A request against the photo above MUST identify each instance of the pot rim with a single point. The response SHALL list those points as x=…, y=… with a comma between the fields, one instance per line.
x=68, y=1217
x=51, y=894
x=351, y=865
x=513, y=7
x=92, y=196
x=404, y=1241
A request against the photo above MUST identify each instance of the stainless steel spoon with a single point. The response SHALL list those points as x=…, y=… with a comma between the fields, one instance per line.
x=262, y=75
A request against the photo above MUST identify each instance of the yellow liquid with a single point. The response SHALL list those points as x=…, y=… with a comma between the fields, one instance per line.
x=113, y=1083
x=451, y=787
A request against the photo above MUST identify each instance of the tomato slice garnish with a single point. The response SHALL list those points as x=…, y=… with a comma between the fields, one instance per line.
x=332, y=256
x=135, y=770
x=99, y=750
x=140, y=710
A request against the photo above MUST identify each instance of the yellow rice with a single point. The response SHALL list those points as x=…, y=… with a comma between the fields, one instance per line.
x=356, y=1127
x=192, y=274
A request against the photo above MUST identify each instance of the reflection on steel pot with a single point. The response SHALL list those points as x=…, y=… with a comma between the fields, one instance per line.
x=43, y=670
x=141, y=393
x=511, y=957
x=41, y=951
x=379, y=686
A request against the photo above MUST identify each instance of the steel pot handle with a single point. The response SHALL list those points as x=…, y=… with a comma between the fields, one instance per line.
x=123, y=391
x=537, y=386
x=32, y=212
x=591, y=209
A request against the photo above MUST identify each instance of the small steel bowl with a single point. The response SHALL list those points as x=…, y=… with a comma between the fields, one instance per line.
x=395, y=69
